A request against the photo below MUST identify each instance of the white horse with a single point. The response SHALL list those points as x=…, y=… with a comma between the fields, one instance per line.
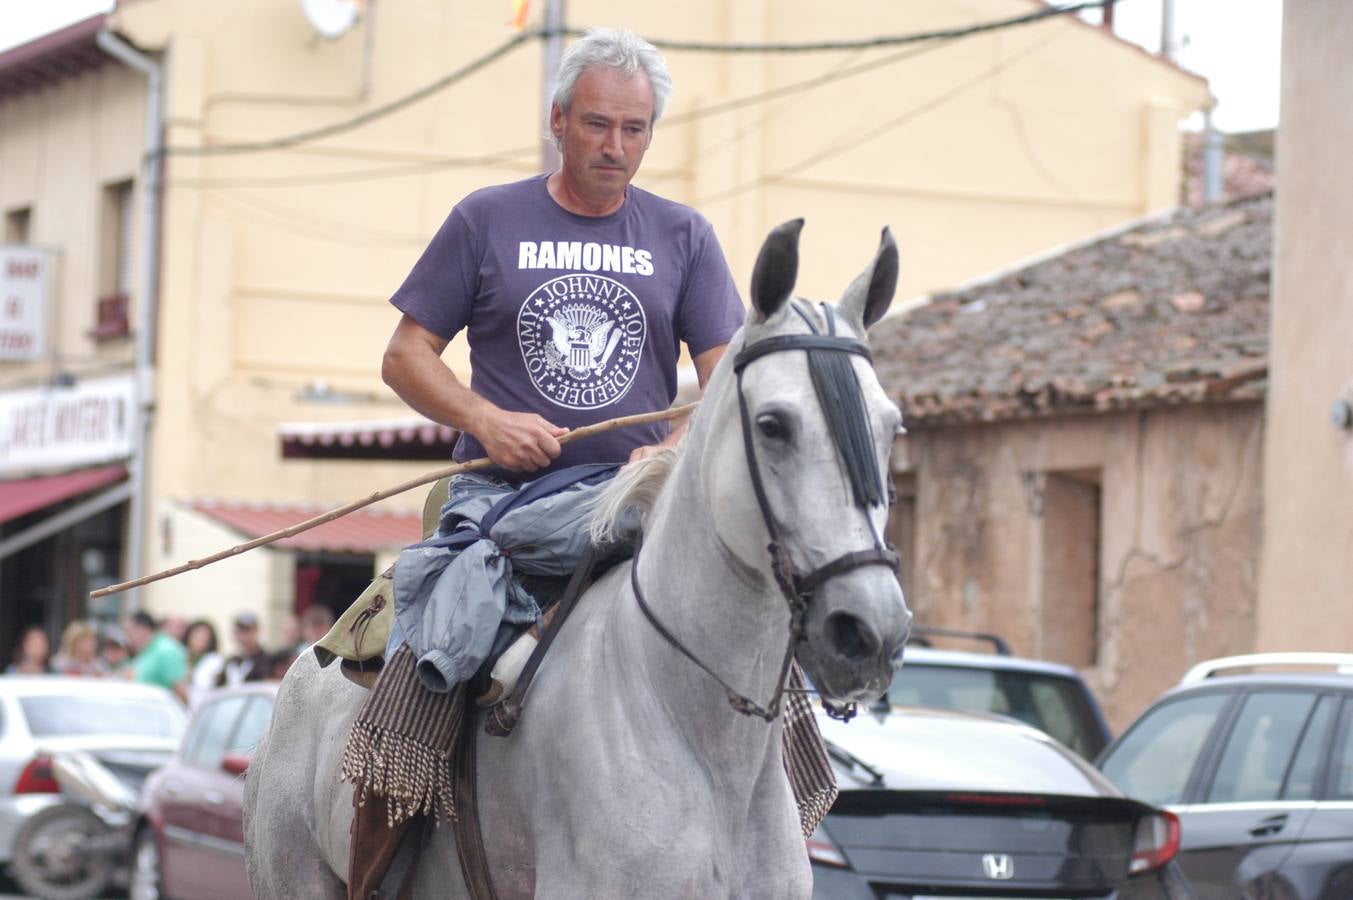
x=630, y=774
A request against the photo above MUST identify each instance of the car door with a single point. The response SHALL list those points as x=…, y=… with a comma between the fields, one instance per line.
x=1252, y=804
x=189, y=802
x=1320, y=866
x=227, y=878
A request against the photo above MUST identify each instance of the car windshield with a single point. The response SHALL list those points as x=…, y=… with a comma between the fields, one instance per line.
x=1057, y=706
x=66, y=716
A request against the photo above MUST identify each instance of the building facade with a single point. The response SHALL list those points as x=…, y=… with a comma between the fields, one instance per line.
x=298, y=187
x=1308, y=464
x=1082, y=469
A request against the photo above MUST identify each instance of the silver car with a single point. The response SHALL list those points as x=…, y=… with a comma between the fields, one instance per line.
x=131, y=728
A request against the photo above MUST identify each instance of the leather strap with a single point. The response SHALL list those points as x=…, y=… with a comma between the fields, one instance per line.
x=474, y=859
x=504, y=715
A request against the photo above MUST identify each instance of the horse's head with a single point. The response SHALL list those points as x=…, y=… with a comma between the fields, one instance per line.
x=816, y=431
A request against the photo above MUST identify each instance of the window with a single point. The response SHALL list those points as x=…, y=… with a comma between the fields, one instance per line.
x=251, y=726
x=1153, y=761
x=1341, y=765
x=212, y=731
x=1070, y=507
x=1260, y=747
x=1305, y=768
x=115, y=269
x=19, y=225
x=54, y=715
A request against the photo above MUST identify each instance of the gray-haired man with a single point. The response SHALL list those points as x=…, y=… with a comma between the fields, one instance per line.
x=574, y=290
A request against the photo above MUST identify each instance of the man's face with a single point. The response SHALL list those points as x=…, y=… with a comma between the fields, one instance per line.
x=247, y=638
x=138, y=635
x=605, y=132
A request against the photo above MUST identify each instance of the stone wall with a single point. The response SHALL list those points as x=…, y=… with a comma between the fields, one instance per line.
x=1124, y=544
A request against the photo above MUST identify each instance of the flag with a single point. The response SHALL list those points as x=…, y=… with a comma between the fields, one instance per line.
x=521, y=9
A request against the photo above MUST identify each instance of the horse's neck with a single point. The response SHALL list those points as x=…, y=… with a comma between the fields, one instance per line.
x=728, y=616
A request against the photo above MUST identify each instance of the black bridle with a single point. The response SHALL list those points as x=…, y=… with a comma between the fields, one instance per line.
x=837, y=389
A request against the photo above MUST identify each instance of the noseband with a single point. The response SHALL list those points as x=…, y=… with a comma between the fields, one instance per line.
x=838, y=393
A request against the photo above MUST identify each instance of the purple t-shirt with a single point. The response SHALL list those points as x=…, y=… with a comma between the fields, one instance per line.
x=576, y=318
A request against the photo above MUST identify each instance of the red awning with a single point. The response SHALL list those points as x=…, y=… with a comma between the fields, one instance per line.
x=24, y=495
x=363, y=531
x=411, y=439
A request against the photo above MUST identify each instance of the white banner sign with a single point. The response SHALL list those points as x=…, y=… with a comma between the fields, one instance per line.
x=23, y=302
x=65, y=427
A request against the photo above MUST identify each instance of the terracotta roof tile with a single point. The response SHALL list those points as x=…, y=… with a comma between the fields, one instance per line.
x=1174, y=310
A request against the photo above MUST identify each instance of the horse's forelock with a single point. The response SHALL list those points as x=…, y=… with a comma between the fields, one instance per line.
x=636, y=486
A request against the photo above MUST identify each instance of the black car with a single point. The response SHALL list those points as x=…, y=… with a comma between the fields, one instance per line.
x=1259, y=769
x=938, y=803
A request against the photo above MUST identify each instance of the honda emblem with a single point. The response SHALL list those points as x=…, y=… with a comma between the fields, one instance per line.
x=998, y=866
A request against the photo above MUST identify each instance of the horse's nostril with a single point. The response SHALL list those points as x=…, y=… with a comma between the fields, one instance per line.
x=851, y=637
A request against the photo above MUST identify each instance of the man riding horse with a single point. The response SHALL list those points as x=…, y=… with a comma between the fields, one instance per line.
x=573, y=290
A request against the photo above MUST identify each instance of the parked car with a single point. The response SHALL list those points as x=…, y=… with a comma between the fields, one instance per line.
x=129, y=728
x=1049, y=696
x=1258, y=765
x=939, y=803
x=189, y=842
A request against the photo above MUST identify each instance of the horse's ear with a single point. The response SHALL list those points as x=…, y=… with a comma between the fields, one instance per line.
x=870, y=295
x=777, y=267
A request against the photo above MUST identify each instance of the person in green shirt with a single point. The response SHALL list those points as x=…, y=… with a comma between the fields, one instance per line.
x=159, y=658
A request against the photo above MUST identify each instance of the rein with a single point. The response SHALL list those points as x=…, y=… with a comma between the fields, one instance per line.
x=832, y=385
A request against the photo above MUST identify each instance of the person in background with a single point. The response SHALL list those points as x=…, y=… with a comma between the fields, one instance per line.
x=79, y=654
x=315, y=624
x=114, y=649
x=291, y=633
x=176, y=627
x=281, y=661
x=252, y=663
x=205, y=662
x=159, y=658
x=32, y=653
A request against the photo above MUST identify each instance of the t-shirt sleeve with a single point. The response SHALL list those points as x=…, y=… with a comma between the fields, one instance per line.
x=710, y=310
x=439, y=292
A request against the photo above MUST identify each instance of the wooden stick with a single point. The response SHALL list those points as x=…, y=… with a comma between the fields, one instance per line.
x=473, y=465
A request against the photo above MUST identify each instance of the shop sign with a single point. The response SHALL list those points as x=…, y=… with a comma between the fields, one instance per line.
x=23, y=302
x=65, y=427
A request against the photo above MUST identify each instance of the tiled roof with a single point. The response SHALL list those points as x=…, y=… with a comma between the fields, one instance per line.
x=363, y=531
x=52, y=57
x=1174, y=310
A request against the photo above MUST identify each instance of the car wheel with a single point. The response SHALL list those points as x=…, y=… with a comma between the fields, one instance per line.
x=51, y=856
x=146, y=883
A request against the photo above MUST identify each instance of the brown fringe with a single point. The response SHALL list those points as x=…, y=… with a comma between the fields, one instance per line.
x=402, y=740
x=401, y=744
x=805, y=757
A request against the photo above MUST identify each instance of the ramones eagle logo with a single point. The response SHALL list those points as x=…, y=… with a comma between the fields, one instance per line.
x=581, y=339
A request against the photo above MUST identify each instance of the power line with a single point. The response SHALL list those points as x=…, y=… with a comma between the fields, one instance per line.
x=690, y=46
x=843, y=146
x=314, y=134
x=866, y=43
x=352, y=176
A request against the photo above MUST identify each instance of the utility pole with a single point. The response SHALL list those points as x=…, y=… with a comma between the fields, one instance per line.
x=552, y=50
x=1168, y=49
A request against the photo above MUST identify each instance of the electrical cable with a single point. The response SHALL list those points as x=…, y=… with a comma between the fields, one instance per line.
x=370, y=115
x=844, y=146
x=692, y=46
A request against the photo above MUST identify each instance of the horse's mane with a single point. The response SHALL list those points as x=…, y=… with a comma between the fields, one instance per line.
x=635, y=487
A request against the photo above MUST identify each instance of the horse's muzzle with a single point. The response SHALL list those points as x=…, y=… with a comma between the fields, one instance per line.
x=854, y=634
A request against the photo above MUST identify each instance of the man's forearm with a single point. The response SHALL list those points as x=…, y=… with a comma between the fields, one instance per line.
x=426, y=384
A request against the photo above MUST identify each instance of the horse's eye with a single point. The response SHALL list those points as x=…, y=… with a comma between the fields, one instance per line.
x=772, y=426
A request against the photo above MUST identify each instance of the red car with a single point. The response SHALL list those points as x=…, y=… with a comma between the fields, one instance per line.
x=189, y=844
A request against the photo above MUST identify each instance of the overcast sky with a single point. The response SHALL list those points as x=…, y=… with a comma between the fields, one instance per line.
x=1234, y=43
